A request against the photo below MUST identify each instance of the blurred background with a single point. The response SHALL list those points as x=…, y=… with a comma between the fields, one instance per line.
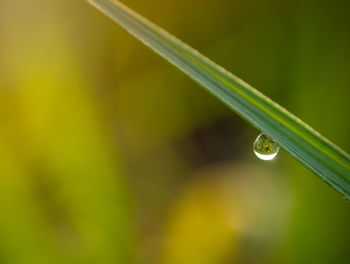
x=108, y=154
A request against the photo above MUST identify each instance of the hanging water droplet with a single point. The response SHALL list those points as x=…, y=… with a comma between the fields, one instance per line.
x=265, y=148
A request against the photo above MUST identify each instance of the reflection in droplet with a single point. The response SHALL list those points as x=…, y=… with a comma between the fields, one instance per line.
x=265, y=148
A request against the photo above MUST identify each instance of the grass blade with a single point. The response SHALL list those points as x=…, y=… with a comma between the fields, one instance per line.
x=301, y=141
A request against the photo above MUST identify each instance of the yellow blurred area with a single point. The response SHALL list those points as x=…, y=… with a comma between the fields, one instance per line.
x=216, y=216
x=200, y=230
x=110, y=155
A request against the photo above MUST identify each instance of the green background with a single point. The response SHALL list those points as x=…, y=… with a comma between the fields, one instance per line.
x=108, y=154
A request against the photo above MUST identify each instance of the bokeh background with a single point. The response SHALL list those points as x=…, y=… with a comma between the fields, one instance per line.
x=108, y=154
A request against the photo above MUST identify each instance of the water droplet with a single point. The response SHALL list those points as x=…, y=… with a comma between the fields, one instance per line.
x=265, y=148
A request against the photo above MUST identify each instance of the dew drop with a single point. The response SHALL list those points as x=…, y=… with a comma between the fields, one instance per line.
x=265, y=148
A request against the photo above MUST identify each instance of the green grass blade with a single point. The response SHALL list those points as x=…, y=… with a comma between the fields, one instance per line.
x=301, y=141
